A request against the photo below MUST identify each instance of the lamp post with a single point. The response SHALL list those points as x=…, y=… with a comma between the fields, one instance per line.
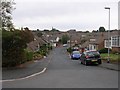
x=108, y=35
x=70, y=40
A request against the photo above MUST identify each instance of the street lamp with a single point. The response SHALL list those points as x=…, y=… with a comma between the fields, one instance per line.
x=108, y=34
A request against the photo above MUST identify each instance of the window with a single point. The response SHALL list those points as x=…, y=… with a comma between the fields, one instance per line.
x=94, y=47
x=116, y=41
x=107, y=44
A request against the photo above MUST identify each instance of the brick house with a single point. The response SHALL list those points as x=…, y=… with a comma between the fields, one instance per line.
x=35, y=45
x=114, y=42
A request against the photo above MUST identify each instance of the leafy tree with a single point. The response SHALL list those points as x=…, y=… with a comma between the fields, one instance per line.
x=101, y=29
x=12, y=48
x=95, y=31
x=27, y=35
x=86, y=31
x=64, y=39
x=45, y=30
x=6, y=8
x=54, y=29
x=38, y=30
x=13, y=45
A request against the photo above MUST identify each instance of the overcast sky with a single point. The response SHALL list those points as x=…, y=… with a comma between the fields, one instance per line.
x=65, y=14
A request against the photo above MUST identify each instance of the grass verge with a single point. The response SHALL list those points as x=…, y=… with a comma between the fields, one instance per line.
x=114, y=58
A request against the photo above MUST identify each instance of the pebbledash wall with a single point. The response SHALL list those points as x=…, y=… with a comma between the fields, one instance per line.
x=119, y=15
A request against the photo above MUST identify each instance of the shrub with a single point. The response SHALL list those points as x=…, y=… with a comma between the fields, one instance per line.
x=69, y=50
x=43, y=53
x=13, y=45
x=49, y=47
x=104, y=50
x=29, y=56
x=15, y=58
x=37, y=56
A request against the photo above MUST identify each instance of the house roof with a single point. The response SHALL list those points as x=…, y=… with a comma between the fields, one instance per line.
x=85, y=44
x=34, y=44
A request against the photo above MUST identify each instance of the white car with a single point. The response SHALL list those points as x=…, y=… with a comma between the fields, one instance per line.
x=64, y=45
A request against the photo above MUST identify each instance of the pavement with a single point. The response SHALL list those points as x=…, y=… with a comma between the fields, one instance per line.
x=38, y=66
x=110, y=66
x=26, y=70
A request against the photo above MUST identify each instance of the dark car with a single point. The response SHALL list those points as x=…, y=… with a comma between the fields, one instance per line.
x=90, y=57
x=75, y=55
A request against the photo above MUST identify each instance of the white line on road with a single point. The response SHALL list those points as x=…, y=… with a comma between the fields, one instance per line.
x=25, y=77
x=10, y=80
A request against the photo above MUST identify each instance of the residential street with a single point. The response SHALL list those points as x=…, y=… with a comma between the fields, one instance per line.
x=62, y=72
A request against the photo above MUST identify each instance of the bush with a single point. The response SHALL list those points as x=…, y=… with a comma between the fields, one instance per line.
x=104, y=50
x=49, y=47
x=37, y=56
x=43, y=53
x=29, y=56
x=13, y=47
x=15, y=58
x=69, y=50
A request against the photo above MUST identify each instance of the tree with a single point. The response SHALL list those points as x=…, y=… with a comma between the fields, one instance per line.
x=13, y=45
x=12, y=48
x=95, y=31
x=86, y=31
x=6, y=8
x=64, y=39
x=54, y=29
x=45, y=30
x=101, y=29
x=27, y=35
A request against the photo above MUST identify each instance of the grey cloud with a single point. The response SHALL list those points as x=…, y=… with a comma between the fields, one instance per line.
x=77, y=15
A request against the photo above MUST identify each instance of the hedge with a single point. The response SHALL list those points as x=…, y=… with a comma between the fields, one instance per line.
x=104, y=50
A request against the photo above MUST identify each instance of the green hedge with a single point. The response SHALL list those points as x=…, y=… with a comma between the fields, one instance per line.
x=14, y=44
x=29, y=56
x=104, y=50
x=69, y=50
x=15, y=58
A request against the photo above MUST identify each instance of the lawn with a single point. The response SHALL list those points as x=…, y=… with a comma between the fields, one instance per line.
x=113, y=57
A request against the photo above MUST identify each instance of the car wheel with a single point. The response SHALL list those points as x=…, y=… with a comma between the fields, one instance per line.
x=99, y=62
x=86, y=63
x=81, y=62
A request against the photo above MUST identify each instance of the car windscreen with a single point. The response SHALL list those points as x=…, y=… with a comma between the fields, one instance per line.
x=76, y=52
x=92, y=53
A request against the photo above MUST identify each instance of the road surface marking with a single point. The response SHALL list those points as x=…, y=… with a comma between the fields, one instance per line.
x=25, y=77
x=30, y=75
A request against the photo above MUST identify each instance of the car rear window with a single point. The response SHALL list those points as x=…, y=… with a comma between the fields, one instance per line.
x=76, y=52
x=93, y=53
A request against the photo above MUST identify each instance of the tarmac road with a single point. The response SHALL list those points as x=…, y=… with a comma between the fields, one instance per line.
x=62, y=72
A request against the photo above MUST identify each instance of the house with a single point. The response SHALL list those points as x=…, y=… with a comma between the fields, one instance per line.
x=35, y=45
x=93, y=44
x=54, y=40
x=85, y=45
x=95, y=41
x=114, y=41
x=100, y=40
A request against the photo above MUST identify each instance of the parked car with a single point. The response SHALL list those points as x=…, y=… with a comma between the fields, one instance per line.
x=75, y=49
x=90, y=57
x=64, y=45
x=75, y=55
